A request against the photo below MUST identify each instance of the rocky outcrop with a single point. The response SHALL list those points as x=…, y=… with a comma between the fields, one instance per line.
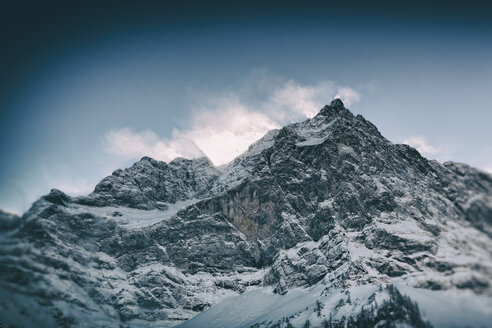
x=150, y=184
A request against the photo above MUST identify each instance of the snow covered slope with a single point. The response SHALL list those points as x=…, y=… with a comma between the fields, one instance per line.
x=323, y=221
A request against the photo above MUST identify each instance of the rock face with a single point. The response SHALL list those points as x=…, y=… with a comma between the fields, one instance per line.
x=150, y=184
x=327, y=204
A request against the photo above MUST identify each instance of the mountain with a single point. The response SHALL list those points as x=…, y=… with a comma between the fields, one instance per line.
x=323, y=223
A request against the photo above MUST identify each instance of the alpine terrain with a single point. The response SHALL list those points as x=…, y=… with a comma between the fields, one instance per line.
x=323, y=223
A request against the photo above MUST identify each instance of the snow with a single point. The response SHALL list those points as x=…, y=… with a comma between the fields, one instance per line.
x=310, y=132
x=267, y=141
x=451, y=308
x=313, y=132
x=359, y=251
x=327, y=204
x=233, y=173
x=407, y=229
x=262, y=307
x=346, y=150
x=133, y=218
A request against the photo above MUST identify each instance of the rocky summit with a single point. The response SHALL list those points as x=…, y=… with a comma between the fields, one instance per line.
x=323, y=223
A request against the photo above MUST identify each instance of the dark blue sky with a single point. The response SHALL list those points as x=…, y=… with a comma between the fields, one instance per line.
x=87, y=88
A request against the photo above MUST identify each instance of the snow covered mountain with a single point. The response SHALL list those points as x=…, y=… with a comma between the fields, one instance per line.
x=323, y=223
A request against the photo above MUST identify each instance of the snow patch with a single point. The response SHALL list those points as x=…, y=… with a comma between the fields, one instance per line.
x=133, y=218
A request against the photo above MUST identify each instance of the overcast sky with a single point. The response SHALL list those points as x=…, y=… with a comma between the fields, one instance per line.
x=89, y=88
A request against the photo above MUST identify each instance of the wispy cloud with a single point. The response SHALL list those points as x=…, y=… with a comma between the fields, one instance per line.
x=422, y=145
x=227, y=128
x=128, y=144
x=225, y=124
x=220, y=133
x=444, y=151
x=348, y=95
x=293, y=99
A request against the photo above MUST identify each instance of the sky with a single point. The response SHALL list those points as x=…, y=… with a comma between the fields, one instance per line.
x=89, y=87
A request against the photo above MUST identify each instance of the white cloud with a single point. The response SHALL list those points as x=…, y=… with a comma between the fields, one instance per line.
x=226, y=129
x=128, y=144
x=348, y=95
x=224, y=125
x=421, y=144
x=294, y=99
x=221, y=134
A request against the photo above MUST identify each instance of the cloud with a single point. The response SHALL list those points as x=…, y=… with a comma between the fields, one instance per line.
x=225, y=124
x=129, y=144
x=293, y=99
x=348, y=95
x=220, y=134
x=227, y=129
x=420, y=143
x=480, y=158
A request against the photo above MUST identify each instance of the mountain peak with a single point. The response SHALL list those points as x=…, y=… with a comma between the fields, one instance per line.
x=336, y=107
x=337, y=102
x=198, y=160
